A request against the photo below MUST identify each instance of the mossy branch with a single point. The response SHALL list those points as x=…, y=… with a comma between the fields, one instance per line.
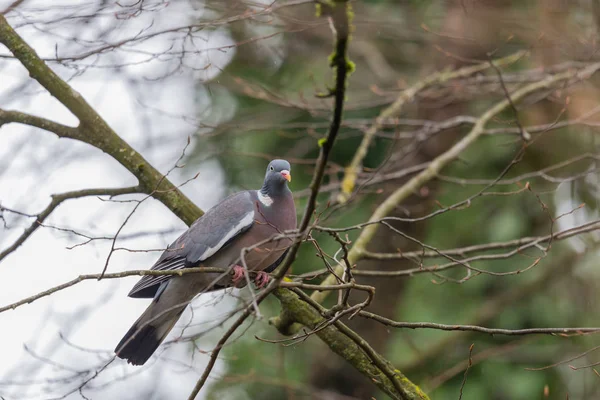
x=92, y=129
x=347, y=344
x=356, y=253
x=296, y=312
x=352, y=170
x=11, y=116
x=340, y=14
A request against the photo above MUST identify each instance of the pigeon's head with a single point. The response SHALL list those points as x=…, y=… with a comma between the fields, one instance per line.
x=277, y=177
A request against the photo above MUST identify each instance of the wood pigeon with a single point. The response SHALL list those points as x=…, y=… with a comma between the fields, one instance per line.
x=214, y=240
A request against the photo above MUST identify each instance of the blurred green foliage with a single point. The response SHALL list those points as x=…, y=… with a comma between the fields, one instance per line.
x=277, y=114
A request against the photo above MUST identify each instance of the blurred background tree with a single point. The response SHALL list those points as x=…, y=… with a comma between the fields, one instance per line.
x=272, y=83
x=263, y=103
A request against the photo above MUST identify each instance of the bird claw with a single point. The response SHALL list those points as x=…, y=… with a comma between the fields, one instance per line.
x=238, y=274
x=262, y=279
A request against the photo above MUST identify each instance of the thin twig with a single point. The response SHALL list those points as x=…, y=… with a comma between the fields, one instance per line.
x=469, y=363
x=341, y=27
x=444, y=159
x=114, y=275
x=351, y=172
x=480, y=329
x=57, y=199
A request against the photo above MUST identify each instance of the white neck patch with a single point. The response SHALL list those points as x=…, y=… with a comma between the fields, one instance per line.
x=265, y=199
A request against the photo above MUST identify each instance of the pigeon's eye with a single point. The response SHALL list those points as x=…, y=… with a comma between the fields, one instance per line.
x=271, y=168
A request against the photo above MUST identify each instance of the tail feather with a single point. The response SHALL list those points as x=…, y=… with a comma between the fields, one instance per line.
x=148, y=332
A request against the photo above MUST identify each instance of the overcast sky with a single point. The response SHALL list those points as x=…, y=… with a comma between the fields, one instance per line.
x=35, y=164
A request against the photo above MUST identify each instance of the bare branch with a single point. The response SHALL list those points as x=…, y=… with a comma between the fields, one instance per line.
x=114, y=275
x=340, y=23
x=356, y=253
x=469, y=364
x=480, y=329
x=351, y=172
x=525, y=241
x=11, y=7
x=217, y=349
x=57, y=199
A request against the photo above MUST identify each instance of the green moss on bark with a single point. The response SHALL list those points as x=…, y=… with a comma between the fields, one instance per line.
x=94, y=130
x=296, y=310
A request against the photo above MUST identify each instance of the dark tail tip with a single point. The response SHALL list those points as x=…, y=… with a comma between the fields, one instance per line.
x=138, y=344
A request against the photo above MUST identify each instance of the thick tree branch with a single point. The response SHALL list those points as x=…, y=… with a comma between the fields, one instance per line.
x=92, y=128
x=350, y=346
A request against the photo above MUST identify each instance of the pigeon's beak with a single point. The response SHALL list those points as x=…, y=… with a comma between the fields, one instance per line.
x=286, y=174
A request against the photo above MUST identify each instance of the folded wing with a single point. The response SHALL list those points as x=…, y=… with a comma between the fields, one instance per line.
x=211, y=233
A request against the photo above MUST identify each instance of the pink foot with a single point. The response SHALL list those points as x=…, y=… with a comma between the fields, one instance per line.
x=238, y=274
x=262, y=279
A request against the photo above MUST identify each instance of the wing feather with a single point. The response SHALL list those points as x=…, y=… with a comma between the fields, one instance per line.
x=148, y=285
x=210, y=233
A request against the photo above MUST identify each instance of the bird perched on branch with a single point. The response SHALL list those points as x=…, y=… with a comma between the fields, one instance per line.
x=245, y=220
